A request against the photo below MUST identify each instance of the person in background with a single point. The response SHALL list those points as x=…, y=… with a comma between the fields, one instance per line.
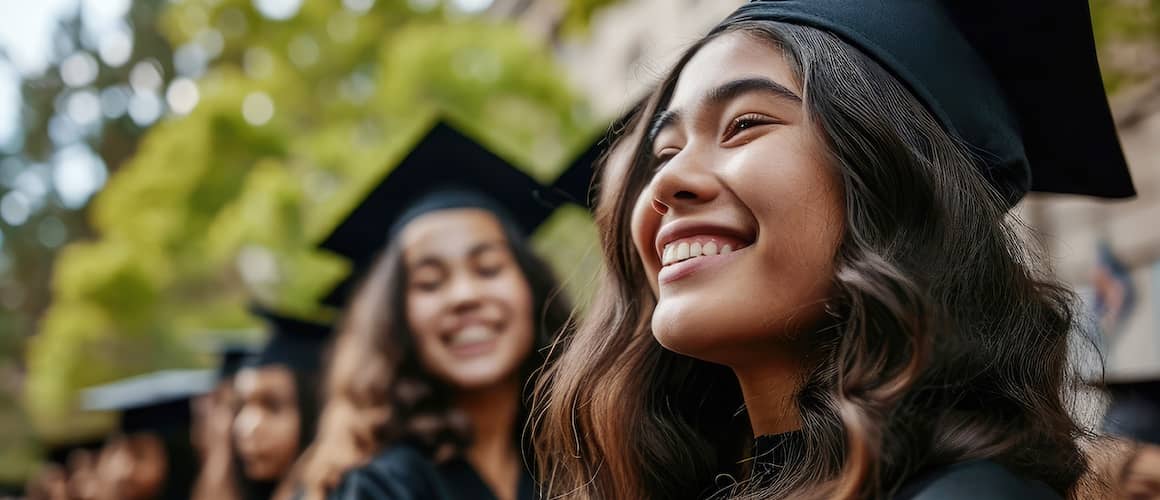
x=426, y=384
x=277, y=395
x=84, y=481
x=1134, y=415
x=213, y=418
x=50, y=482
x=77, y=461
x=150, y=457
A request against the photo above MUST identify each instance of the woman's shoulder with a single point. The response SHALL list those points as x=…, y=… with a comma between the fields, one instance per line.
x=400, y=472
x=975, y=479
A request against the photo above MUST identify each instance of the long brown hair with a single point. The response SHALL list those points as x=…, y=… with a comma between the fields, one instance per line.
x=378, y=393
x=943, y=343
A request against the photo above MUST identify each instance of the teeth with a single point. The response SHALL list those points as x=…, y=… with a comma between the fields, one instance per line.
x=471, y=335
x=674, y=253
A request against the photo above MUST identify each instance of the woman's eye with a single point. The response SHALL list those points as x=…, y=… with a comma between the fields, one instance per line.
x=427, y=278
x=426, y=286
x=745, y=122
x=490, y=271
x=660, y=158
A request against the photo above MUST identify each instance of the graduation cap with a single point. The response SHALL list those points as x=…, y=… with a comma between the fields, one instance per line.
x=445, y=170
x=156, y=402
x=576, y=183
x=1134, y=411
x=1018, y=81
x=232, y=358
x=295, y=343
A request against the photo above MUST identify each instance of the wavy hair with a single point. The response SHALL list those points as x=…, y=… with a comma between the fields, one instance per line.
x=378, y=392
x=943, y=343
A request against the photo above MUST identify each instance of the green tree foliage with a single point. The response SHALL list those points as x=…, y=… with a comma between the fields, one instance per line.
x=1128, y=37
x=296, y=119
x=49, y=134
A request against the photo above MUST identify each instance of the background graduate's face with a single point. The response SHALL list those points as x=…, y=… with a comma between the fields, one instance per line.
x=266, y=428
x=742, y=181
x=469, y=306
x=84, y=483
x=134, y=466
x=1142, y=474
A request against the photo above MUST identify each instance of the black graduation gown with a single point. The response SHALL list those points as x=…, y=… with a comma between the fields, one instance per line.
x=962, y=481
x=403, y=473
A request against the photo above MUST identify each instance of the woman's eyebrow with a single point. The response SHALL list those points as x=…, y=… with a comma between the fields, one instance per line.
x=723, y=94
x=731, y=90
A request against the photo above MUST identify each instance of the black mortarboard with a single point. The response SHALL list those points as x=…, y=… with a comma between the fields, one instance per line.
x=295, y=343
x=1134, y=410
x=1018, y=81
x=445, y=170
x=233, y=357
x=156, y=402
x=576, y=183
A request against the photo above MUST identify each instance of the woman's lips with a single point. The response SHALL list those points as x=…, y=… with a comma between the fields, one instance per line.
x=699, y=235
x=472, y=340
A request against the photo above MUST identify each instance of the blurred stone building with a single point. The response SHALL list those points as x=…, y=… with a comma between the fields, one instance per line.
x=1072, y=229
x=633, y=42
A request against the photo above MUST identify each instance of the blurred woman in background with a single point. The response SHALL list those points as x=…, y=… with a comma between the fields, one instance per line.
x=277, y=406
x=151, y=456
x=426, y=383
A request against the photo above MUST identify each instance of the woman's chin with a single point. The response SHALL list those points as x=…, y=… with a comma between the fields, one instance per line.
x=468, y=379
x=684, y=337
x=260, y=472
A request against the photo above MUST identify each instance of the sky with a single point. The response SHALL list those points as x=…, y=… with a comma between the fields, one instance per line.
x=26, y=28
x=26, y=31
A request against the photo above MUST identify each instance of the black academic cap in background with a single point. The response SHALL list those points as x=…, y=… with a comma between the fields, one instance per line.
x=232, y=356
x=445, y=170
x=1134, y=410
x=156, y=402
x=1017, y=80
x=576, y=184
x=295, y=343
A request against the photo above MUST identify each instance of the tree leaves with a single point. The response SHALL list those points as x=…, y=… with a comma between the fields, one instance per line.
x=295, y=121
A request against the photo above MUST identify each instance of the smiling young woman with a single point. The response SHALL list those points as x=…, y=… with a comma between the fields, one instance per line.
x=811, y=245
x=426, y=384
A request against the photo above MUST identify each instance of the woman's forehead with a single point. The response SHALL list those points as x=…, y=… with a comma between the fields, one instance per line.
x=450, y=233
x=727, y=58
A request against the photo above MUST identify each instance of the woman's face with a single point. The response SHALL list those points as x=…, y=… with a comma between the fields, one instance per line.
x=50, y=483
x=1142, y=474
x=743, y=182
x=468, y=303
x=134, y=466
x=83, y=481
x=266, y=429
